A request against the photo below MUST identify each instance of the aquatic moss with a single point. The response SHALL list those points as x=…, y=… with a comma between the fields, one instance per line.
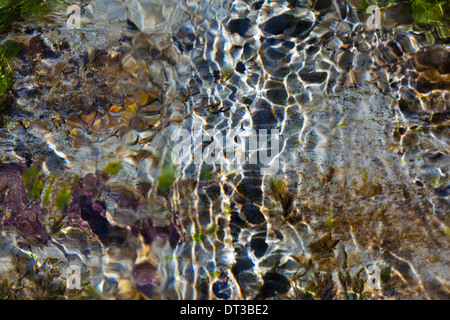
x=62, y=199
x=206, y=173
x=423, y=12
x=276, y=185
x=445, y=231
x=430, y=11
x=436, y=182
x=385, y=274
x=85, y=293
x=168, y=257
x=353, y=286
x=13, y=11
x=198, y=236
x=113, y=168
x=167, y=176
x=48, y=191
x=8, y=51
x=324, y=245
x=32, y=179
x=364, y=175
x=214, y=230
x=278, y=190
x=227, y=209
x=340, y=125
x=329, y=221
x=227, y=72
x=5, y=290
x=231, y=176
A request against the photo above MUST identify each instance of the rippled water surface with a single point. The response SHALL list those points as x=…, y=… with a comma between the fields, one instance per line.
x=358, y=178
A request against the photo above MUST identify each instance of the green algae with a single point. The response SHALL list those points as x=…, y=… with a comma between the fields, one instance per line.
x=167, y=176
x=4, y=292
x=385, y=274
x=278, y=190
x=8, y=50
x=277, y=185
x=33, y=182
x=231, y=176
x=364, y=175
x=430, y=11
x=206, y=173
x=86, y=292
x=329, y=221
x=340, y=125
x=113, y=168
x=227, y=209
x=62, y=199
x=227, y=72
x=168, y=257
x=419, y=12
x=41, y=282
x=13, y=12
x=445, y=231
x=198, y=236
x=436, y=182
x=353, y=286
x=48, y=190
x=324, y=245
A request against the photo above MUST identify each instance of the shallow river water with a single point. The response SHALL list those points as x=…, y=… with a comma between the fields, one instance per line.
x=231, y=149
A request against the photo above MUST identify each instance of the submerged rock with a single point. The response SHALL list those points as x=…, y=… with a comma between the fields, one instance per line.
x=274, y=284
x=24, y=215
x=86, y=207
x=172, y=233
x=146, y=278
x=287, y=24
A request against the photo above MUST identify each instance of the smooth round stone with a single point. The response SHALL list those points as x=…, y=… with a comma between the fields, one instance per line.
x=222, y=290
x=264, y=119
x=313, y=77
x=274, y=283
x=288, y=25
x=258, y=244
x=253, y=214
x=250, y=189
x=145, y=275
x=239, y=26
x=277, y=96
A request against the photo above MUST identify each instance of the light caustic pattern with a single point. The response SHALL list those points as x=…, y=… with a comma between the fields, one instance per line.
x=361, y=156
